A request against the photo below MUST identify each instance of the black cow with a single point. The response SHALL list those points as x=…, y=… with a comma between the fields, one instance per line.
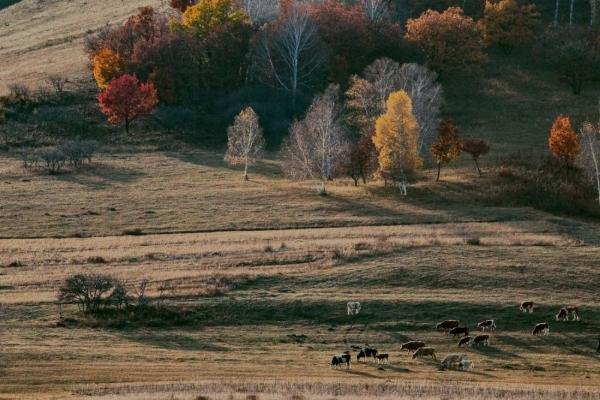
x=464, y=341
x=338, y=361
x=461, y=330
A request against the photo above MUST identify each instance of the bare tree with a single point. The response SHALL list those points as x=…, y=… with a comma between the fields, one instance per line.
x=245, y=140
x=57, y=82
x=426, y=94
x=260, y=11
x=589, y=158
x=317, y=145
x=376, y=10
x=289, y=52
x=367, y=96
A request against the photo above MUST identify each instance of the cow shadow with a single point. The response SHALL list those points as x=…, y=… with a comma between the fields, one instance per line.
x=172, y=341
x=493, y=351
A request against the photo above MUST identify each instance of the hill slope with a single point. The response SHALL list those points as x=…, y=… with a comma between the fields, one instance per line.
x=40, y=38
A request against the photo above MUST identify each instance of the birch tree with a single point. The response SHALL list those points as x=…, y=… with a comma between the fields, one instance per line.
x=376, y=10
x=317, y=145
x=245, y=140
x=289, y=53
x=589, y=158
x=260, y=11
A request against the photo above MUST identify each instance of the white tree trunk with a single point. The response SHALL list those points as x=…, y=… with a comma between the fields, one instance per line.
x=556, y=12
x=571, y=12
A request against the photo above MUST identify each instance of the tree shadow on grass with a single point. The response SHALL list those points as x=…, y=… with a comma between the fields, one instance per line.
x=99, y=176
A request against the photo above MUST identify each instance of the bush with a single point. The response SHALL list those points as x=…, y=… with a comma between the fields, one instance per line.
x=89, y=292
x=53, y=158
x=78, y=151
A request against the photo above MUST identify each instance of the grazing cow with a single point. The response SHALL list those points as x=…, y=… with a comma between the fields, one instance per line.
x=447, y=325
x=462, y=330
x=487, y=324
x=541, y=328
x=361, y=355
x=370, y=352
x=337, y=361
x=466, y=365
x=383, y=358
x=527, y=306
x=464, y=341
x=566, y=312
x=423, y=352
x=452, y=359
x=353, y=307
x=412, y=345
x=481, y=340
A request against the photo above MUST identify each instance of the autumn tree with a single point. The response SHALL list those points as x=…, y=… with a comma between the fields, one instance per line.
x=208, y=15
x=563, y=141
x=508, y=23
x=126, y=99
x=245, y=140
x=449, y=40
x=107, y=65
x=289, y=53
x=476, y=148
x=181, y=5
x=223, y=31
x=397, y=135
x=447, y=146
x=317, y=145
x=361, y=161
x=347, y=32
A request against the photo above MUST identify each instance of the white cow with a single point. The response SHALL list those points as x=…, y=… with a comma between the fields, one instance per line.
x=353, y=307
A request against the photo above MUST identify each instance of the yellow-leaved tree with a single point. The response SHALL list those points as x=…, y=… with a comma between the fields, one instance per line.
x=397, y=135
x=107, y=66
x=209, y=15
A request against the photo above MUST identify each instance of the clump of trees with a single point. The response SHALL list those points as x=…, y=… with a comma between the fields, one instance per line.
x=449, y=40
x=245, y=140
x=74, y=153
x=510, y=24
x=447, y=146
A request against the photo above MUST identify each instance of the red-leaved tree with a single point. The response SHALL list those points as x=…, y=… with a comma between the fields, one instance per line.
x=126, y=98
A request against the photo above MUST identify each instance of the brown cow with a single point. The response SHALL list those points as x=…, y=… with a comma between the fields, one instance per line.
x=423, y=352
x=464, y=341
x=412, y=345
x=447, y=325
x=481, y=339
x=527, y=306
x=541, y=328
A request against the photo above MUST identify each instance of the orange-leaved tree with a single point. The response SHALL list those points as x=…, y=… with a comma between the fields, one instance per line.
x=449, y=40
x=126, y=98
x=397, y=135
x=107, y=66
x=508, y=23
x=563, y=142
x=447, y=145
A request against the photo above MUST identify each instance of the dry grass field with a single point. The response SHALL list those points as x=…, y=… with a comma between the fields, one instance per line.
x=39, y=38
x=261, y=272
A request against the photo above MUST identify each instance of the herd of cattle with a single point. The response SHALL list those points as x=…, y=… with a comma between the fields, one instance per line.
x=453, y=328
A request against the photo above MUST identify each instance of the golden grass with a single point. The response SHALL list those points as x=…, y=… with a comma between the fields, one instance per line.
x=41, y=38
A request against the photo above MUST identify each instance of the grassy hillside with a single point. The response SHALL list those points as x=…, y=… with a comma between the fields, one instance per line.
x=38, y=39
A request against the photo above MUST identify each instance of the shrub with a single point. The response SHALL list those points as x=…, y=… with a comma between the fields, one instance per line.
x=78, y=151
x=87, y=291
x=53, y=158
